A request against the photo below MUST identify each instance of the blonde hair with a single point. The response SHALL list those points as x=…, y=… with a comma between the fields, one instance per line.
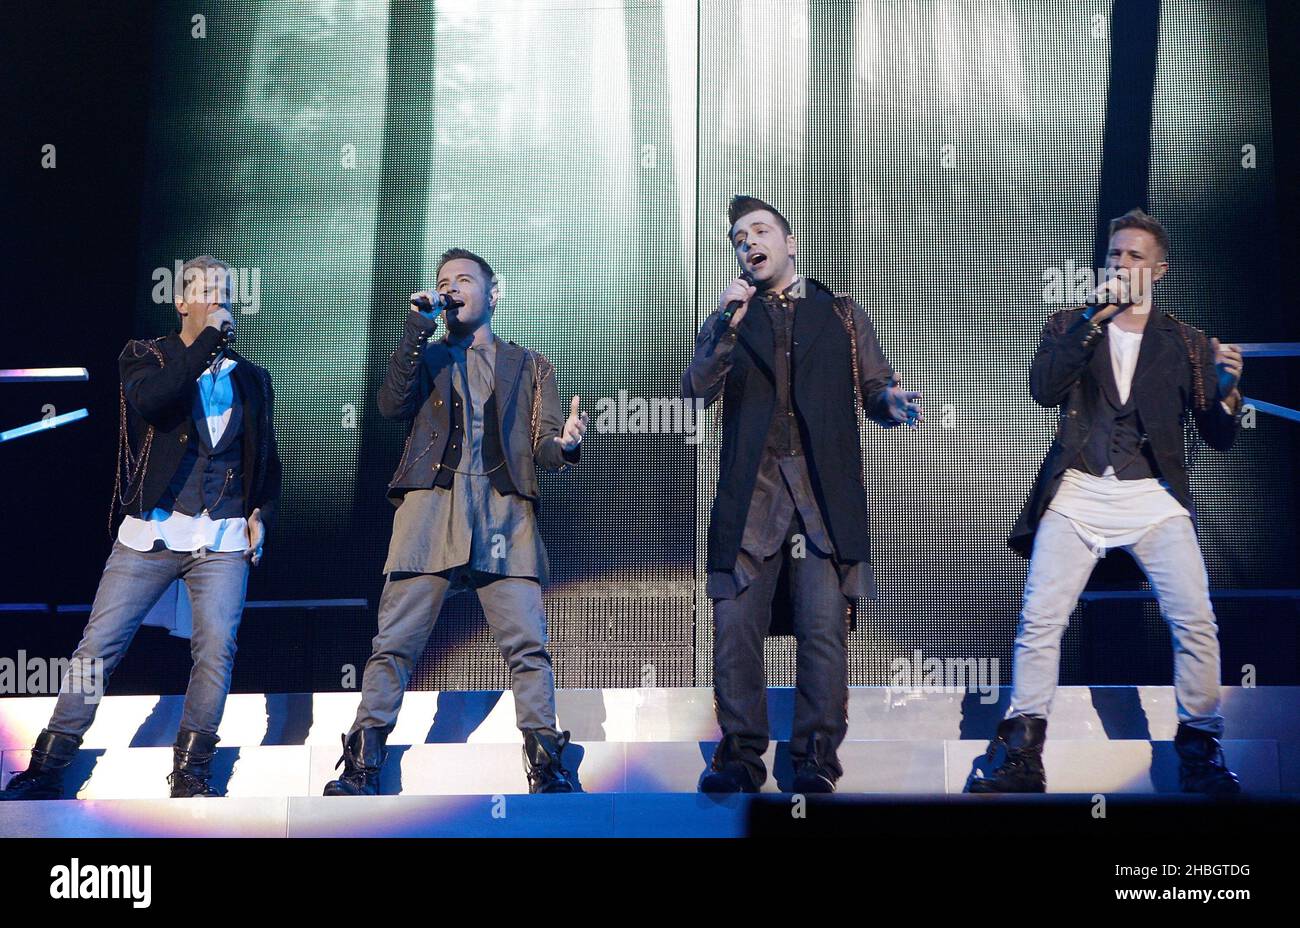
x=209, y=267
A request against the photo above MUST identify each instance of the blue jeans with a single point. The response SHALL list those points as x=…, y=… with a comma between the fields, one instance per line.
x=132, y=583
x=1059, y=570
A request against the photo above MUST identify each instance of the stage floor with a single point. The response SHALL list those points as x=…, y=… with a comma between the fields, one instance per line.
x=455, y=766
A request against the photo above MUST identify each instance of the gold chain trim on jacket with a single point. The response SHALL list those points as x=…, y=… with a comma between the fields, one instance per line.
x=1194, y=356
x=540, y=373
x=127, y=468
x=844, y=310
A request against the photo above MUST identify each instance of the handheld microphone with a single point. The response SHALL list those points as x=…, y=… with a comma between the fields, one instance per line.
x=1096, y=307
x=444, y=302
x=227, y=332
x=730, y=309
x=227, y=339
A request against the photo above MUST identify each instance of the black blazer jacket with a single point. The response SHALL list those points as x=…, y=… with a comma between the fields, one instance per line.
x=159, y=383
x=1175, y=376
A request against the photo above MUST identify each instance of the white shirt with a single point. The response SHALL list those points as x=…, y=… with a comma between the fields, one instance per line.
x=176, y=530
x=1108, y=512
x=1124, y=347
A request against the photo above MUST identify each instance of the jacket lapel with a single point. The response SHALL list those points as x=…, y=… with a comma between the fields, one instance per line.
x=245, y=404
x=757, y=335
x=437, y=360
x=1155, y=344
x=249, y=407
x=811, y=317
x=510, y=361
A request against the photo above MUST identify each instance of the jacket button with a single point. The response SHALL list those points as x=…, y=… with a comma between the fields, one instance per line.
x=434, y=435
x=437, y=403
x=184, y=438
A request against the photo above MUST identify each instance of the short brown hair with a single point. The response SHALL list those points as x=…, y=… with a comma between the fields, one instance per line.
x=1140, y=219
x=451, y=254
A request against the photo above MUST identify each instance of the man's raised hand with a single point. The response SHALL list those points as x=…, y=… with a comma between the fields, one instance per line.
x=575, y=427
x=738, y=289
x=428, y=303
x=1228, y=361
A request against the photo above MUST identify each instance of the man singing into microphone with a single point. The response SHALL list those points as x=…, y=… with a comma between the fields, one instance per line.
x=484, y=414
x=792, y=372
x=198, y=481
x=1124, y=375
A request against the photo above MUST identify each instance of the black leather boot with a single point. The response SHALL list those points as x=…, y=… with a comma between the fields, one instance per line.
x=1020, y=742
x=728, y=772
x=543, y=762
x=363, y=758
x=814, y=772
x=1202, y=768
x=192, y=765
x=43, y=778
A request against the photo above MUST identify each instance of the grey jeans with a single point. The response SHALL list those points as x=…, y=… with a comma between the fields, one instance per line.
x=132, y=583
x=408, y=609
x=1058, y=571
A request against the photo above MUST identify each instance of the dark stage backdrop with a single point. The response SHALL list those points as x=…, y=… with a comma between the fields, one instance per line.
x=934, y=159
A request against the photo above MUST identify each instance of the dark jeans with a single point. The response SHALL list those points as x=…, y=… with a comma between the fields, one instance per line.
x=821, y=622
x=132, y=583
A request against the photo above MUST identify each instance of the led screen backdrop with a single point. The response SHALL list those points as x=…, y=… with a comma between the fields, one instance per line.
x=933, y=159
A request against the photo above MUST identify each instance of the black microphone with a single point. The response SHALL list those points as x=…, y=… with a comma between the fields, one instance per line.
x=445, y=301
x=227, y=338
x=1094, y=308
x=227, y=335
x=730, y=309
